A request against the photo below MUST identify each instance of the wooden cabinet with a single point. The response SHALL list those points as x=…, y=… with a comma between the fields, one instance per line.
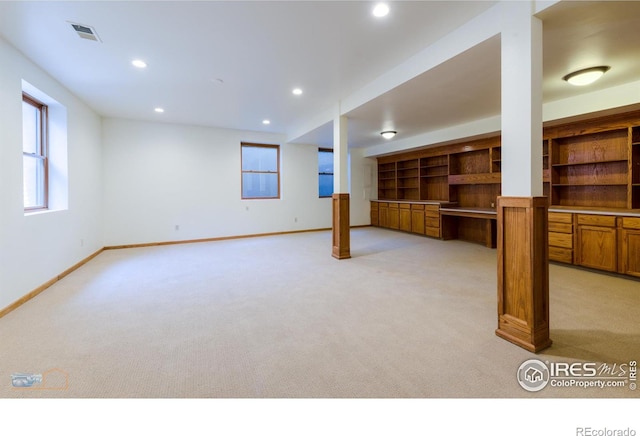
x=394, y=216
x=604, y=242
x=561, y=237
x=420, y=218
x=596, y=242
x=587, y=238
x=404, y=214
x=630, y=246
x=417, y=218
x=383, y=214
x=374, y=212
x=590, y=174
x=432, y=220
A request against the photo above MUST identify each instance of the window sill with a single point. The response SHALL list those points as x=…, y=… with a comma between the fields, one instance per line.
x=40, y=212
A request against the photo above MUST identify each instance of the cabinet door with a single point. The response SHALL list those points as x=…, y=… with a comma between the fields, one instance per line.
x=405, y=219
x=597, y=247
x=375, y=214
x=394, y=216
x=417, y=221
x=383, y=215
x=630, y=252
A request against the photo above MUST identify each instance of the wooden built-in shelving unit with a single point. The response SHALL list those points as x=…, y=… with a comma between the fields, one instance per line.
x=450, y=173
x=591, y=177
x=591, y=169
x=634, y=168
x=434, y=173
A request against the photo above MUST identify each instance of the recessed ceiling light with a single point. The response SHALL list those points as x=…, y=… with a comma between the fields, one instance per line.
x=297, y=91
x=139, y=63
x=586, y=76
x=380, y=10
x=266, y=122
x=159, y=110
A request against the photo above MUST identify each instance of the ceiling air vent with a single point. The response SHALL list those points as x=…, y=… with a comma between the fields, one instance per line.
x=85, y=32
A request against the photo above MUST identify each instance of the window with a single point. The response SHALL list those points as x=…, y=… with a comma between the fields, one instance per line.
x=260, y=171
x=325, y=172
x=34, y=153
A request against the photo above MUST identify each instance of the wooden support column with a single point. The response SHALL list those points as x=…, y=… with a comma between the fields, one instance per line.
x=523, y=272
x=340, y=199
x=523, y=264
x=341, y=237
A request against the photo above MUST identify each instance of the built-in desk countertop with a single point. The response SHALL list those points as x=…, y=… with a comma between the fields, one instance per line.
x=455, y=224
x=471, y=212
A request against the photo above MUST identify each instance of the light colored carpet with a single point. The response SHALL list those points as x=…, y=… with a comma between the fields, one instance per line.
x=277, y=316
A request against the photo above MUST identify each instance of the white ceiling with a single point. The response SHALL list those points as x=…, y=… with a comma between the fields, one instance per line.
x=261, y=50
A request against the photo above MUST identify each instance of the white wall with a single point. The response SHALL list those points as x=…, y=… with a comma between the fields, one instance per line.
x=37, y=247
x=601, y=101
x=363, y=186
x=132, y=182
x=160, y=175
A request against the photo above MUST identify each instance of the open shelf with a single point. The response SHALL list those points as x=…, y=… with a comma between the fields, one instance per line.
x=589, y=162
x=606, y=196
x=471, y=162
x=591, y=170
x=588, y=184
x=496, y=159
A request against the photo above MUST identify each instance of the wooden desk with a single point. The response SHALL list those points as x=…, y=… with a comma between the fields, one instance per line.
x=469, y=224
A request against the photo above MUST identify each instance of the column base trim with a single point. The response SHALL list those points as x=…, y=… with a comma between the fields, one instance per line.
x=534, y=348
x=341, y=248
x=523, y=272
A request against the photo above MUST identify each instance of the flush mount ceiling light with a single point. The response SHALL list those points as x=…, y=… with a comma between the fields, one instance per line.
x=266, y=122
x=586, y=76
x=159, y=110
x=380, y=10
x=138, y=63
x=297, y=91
x=388, y=134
